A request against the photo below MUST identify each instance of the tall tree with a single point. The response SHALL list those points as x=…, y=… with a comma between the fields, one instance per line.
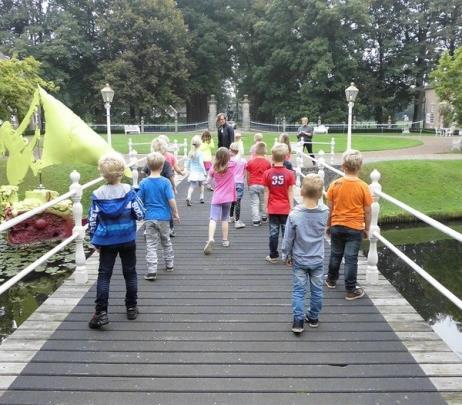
x=143, y=55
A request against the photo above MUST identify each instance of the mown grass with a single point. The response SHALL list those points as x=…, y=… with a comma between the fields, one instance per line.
x=433, y=187
x=363, y=142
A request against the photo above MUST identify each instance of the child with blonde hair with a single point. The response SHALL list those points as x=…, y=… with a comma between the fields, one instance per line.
x=222, y=172
x=285, y=139
x=156, y=192
x=114, y=209
x=196, y=170
x=303, y=249
x=238, y=141
x=257, y=138
x=169, y=157
x=349, y=200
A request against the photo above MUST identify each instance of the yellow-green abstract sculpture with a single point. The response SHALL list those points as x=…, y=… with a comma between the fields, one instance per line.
x=67, y=139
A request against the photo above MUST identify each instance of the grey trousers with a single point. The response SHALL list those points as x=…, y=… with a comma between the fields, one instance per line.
x=257, y=194
x=156, y=231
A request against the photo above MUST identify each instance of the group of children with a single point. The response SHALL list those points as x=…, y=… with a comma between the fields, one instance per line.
x=116, y=207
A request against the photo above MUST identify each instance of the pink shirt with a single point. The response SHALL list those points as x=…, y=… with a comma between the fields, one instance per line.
x=170, y=159
x=239, y=171
x=224, y=185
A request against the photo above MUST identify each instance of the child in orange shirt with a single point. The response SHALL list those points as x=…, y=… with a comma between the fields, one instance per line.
x=349, y=200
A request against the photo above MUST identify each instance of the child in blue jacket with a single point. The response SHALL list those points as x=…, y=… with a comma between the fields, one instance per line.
x=114, y=209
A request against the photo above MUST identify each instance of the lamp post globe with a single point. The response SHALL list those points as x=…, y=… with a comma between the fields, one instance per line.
x=108, y=95
x=350, y=93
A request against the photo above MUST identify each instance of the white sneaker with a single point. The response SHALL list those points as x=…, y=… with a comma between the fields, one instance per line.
x=231, y=220
x=239, y=224
x=225, y=243
x=208, y=247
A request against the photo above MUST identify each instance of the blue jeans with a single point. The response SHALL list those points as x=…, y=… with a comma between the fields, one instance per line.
x=107, y=257
x=301, y=276
x=344, y=242
x=276, y=222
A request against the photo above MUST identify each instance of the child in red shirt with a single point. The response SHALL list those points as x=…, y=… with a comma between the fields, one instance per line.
x=279, y=197
x=256, y=167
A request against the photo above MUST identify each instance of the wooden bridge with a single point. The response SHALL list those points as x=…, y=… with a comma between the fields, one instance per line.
x=217, y=331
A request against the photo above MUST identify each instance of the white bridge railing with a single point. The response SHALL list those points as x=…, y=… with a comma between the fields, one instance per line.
x=374, y=231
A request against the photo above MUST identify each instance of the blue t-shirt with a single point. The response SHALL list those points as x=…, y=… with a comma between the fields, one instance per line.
x=155, y=193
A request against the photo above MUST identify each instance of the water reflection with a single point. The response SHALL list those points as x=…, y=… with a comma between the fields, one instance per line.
x=441, y=259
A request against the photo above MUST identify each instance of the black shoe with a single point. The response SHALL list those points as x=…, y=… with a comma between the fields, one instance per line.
x=264, y=220
x=172, y=233
x=169, y=269
x=201, y=201
x=99, y=319
x=132, y=313
x=298, y=326
x=312, y=323
x=150, y=276
x=330, y=283
x=256, y=223
x=188, y=203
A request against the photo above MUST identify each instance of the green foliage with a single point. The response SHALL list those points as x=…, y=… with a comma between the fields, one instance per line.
x=433, y=187
x=18, y=81
x=447, y=80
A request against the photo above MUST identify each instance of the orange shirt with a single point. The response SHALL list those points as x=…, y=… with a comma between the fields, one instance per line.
x=348, y=197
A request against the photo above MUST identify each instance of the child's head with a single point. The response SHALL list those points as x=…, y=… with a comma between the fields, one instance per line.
x=279, y=152
x=305, y=121
x=164, y=138
x=258, y=137
x=196, y=141
x=237, y=136
x=284, y=138
x=260, y=149
x=206, y=137
x=234, y=148
x=312, y=186
x=112, y=166
x=159, y=145
x=220, y=164
x=155, y=161
x=352, y=161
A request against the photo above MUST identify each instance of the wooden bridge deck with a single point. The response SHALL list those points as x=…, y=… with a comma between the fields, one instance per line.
x=217, y=331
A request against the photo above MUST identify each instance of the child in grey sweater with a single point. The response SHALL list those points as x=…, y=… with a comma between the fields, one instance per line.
x=303, y=248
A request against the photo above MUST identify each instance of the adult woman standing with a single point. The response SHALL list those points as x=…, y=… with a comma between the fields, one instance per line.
x=225, y=132
x=305, y=135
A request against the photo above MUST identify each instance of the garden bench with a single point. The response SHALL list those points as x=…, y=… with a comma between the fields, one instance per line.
x=132, y=128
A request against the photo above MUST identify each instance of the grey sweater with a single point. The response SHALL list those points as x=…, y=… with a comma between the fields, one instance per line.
x=304, y=235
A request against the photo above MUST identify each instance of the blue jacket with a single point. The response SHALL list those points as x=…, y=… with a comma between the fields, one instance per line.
x=113, y=213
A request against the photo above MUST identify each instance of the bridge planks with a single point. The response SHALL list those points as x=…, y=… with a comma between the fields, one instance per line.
x=217, y=330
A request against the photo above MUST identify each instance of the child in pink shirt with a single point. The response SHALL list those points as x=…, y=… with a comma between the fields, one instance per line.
x=239, y=179
x=222, y=172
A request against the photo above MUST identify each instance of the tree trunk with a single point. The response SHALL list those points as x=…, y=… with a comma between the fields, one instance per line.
x=197, y=108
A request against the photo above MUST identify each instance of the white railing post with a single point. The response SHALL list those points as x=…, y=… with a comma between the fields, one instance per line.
x=276, y=140
x=175, y=150
x=332, y=150
x=321, y=173
x=80, y=273
x=185, y=149
x=372, y=272
x=130, y=145
x=133, y=159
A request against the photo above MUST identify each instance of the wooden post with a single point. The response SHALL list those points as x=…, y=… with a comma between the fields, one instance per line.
x=133, y=159
x=80, y=272
x=332, y=151
x=321, y=173
x=372, y=273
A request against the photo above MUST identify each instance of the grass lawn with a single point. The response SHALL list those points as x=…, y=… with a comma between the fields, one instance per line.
x=363, y=142
x=433, y=187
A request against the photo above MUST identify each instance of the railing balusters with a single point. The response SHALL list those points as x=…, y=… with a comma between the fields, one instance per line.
x=321, y=173
x=133, y=164
x=332, y=151
x=372, y=273
x=185, y=149
x=80, y=273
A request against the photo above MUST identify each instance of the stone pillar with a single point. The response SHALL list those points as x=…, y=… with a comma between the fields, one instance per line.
x=389, y=122
x=245, y=113
x=142, y=125
x=212, y=113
